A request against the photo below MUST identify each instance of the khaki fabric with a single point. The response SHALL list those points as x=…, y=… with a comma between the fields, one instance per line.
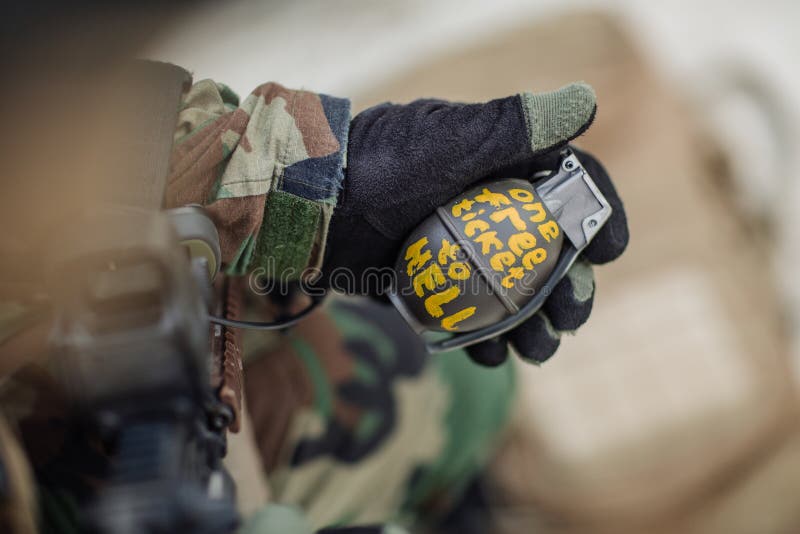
x=18, y=507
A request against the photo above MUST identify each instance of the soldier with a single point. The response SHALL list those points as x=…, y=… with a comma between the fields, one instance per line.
x=352, y=423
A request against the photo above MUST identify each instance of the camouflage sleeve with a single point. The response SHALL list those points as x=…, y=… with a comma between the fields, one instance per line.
x=267, y=169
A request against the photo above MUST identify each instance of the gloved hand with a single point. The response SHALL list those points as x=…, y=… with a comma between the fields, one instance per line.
x=406, y=160
x=570, y=303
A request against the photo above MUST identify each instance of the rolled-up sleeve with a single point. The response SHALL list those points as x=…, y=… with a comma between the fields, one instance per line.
x=268, y=170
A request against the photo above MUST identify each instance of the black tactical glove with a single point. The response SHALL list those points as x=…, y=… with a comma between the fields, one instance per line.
x=406, y=160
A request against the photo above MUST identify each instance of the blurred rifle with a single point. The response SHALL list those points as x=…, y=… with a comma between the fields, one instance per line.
x=155, y=385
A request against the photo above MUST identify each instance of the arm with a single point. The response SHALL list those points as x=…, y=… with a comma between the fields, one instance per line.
x=267, y=169
x=270, y=171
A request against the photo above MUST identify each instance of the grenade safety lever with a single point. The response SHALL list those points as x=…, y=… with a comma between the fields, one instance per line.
x=486, y=262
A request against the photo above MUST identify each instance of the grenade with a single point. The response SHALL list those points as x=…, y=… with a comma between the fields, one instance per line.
x=487, y=260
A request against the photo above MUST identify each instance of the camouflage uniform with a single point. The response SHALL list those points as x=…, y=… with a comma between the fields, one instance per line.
x=268, y=171
x=354, y=423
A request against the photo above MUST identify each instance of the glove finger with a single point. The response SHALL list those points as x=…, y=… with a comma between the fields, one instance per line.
x=555, y=118
x=428, y=151
x=535, y=340
x=611, y=241
x=516, y=130
x=570, y=303
x=459, y=144
x=489, y=353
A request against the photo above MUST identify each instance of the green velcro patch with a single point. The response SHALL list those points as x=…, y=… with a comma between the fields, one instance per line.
x=287, y=235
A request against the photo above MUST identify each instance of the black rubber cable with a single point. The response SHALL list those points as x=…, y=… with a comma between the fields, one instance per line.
x=274, y=325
